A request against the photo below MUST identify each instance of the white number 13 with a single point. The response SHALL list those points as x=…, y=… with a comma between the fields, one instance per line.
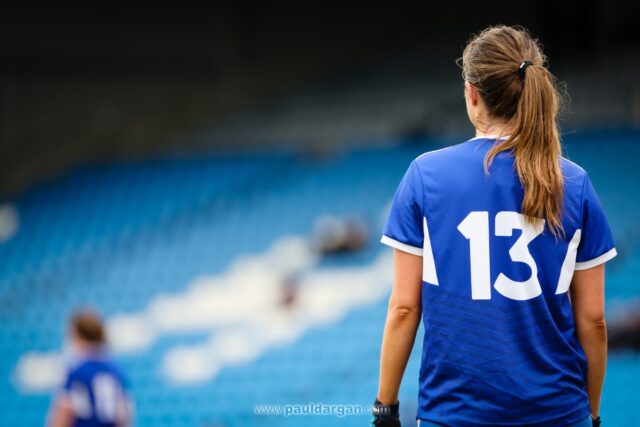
x=475, y=227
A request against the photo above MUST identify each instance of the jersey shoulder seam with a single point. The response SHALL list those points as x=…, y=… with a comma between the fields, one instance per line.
x=580, y=168
x=584, y=184
x=435, y=151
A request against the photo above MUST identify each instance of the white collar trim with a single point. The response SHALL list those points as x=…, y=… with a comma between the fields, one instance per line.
x=489, y=137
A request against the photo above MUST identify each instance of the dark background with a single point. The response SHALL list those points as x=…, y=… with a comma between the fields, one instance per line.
x=98, y=81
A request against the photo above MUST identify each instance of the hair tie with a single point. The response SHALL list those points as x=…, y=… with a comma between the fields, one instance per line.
x=523, y=68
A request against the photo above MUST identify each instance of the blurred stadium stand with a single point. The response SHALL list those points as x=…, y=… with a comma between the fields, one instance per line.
x=117, y=237
x=83, y=83
x=148, y=155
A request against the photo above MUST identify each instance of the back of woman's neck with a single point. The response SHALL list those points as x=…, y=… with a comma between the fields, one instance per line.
x=498, y=133
x=494, y=130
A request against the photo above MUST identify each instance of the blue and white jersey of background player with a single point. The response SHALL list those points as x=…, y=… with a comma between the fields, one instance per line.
x=499, y=345
x=95, y=390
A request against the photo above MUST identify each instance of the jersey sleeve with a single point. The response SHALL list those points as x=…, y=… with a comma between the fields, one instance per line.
x=63, y=393
x=68, y=381
x=403, y=229
x=596, y=244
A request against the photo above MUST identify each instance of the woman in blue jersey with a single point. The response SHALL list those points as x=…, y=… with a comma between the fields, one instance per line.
x=500, y=245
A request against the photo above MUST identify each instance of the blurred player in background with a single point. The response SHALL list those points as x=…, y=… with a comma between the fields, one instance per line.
x=500, y=244
x=336, y=235
x=94, y=392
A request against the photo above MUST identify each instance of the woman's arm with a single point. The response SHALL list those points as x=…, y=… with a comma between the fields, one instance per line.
x=403, y=319
x=61, y=413
x=587, y=300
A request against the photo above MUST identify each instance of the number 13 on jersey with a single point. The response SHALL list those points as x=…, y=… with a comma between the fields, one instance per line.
x=475, y=227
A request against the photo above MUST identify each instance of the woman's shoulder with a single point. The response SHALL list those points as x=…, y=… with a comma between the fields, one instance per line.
x=440, y=154
x=570, y=165
x=572, y=171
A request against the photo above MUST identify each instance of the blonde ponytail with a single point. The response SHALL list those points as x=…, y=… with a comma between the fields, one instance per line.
x=507, y=66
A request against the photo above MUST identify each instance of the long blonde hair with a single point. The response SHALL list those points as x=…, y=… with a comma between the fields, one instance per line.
x=509, y=70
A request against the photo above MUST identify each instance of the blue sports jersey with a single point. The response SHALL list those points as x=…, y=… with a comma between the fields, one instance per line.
x=95, y=390
x=500, y=347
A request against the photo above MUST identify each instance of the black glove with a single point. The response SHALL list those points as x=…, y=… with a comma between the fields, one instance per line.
x=595, y=421
x=386, y=415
